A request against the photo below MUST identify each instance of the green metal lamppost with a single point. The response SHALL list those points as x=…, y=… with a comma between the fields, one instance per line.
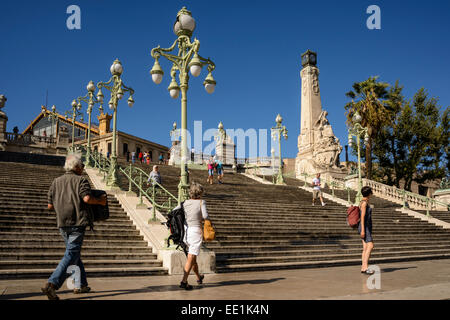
x=76, y=107
x=186, y=60
x=91, y=100
x=51, y=116
x=358, y=130
x=117, y=88
x=276, y=133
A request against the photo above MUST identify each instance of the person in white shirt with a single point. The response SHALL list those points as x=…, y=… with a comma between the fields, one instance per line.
x=316, y=189
x=195, y=213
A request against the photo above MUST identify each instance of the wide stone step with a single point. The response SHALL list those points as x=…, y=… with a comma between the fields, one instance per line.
x=86, y=254
x=99, y=229
x=91, y=272
x=48, y=264
x=87, y=243
x=303, y=251
x=4, y=235
x=51, y=223
x=42, y=248
x=321, y=264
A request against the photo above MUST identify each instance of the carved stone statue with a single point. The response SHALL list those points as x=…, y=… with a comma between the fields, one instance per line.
x=445, y=183
x=2, y=101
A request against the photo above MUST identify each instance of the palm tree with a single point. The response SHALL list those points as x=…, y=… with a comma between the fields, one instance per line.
x=369, y=99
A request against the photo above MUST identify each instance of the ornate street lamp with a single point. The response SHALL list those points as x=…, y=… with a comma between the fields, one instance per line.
x=358, y=130
x=76, y=107
x=51, y=116
x=117, y=88
x=186, y=60
x=276, y=133
x=91, y=100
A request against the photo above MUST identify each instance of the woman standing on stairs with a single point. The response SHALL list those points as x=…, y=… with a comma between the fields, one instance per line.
x=195, y=212
x=365, y=229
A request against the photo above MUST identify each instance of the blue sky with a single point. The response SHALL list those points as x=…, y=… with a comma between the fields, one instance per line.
x=256, y=46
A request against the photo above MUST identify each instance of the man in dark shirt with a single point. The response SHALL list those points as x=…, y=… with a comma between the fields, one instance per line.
x=69, y=196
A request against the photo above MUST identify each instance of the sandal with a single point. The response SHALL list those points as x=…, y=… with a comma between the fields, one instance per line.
x=185, y=285
x=368, y=271
x=201, y=279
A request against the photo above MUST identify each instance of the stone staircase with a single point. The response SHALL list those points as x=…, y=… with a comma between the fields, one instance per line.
x=30, y=243
x=267, y=227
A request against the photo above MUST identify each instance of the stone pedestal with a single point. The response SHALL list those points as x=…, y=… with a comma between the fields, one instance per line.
x=225, y=150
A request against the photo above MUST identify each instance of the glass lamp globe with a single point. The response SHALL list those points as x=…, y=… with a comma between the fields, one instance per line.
x=130, y=101
x=210, y=87
x=357, y=118
x=174, y=93
x=119, y=96
x=53, y=108
x=91, y=87
x=116, y=68
x=74, y=104
x=195, y=70
x=157, y=78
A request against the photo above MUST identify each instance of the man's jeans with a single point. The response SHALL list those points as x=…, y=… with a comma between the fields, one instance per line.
x=73, y=238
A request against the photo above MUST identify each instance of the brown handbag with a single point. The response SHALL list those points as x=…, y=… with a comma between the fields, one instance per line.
x=209, y=233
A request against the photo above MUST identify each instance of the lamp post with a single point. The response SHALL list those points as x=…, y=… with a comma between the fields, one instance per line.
x=117, y=88
x=76, y=107
x=277, y=132
x=51, y=116
x=358, y=130
x=91, y=100
x=186, y=60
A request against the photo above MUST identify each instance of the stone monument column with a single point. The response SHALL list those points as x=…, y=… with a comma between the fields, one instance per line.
x=3, y=121
x=318, y=148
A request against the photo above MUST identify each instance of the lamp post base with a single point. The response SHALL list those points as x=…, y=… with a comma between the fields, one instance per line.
x=112, y=179
x=280, y=179
x=183, y=193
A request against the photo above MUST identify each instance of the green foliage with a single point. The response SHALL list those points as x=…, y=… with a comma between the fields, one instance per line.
x=414, y=147
x=369, y=99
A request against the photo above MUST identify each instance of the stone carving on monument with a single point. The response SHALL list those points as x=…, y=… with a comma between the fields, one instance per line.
x=318, y=147
x=3, y=121
x=225, y=148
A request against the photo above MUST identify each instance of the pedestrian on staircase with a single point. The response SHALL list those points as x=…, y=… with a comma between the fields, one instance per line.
x=195, y=212
x=68, y=196
x=133, y=157
x=316, y=190
x=211, y=166
x=365, y=228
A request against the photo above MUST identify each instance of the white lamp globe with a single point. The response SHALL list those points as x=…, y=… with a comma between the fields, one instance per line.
x=116, y=68
x=119, y=96
x=174, y=93
x=187, y=22
x=91, y=86
x=195, y=70
x=157, y=78
x=210, y=87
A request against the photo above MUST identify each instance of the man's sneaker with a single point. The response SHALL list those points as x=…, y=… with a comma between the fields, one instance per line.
x=50, y=291
x=84, y=289
x=313, y=204
x=323, y=204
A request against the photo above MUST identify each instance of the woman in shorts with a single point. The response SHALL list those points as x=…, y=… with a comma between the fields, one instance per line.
x=195, y=212
x=365, y=229
x=211, y=166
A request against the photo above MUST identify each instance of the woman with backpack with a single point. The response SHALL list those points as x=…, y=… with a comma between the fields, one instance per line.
x=365, y=229
x=195, y=212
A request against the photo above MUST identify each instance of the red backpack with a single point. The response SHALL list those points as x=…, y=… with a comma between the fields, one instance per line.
x=353, y=216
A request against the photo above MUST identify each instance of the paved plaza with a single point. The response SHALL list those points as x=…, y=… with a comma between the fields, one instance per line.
x=406, y=280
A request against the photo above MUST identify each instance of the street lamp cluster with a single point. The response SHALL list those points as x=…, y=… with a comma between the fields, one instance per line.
x=117, y=89
x=51, y=116
x=277, y=131
x=187, y=60
x=358, y=131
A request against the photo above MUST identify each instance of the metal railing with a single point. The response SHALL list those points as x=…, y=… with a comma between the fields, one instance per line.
x=140, y=180
x=28, y=139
